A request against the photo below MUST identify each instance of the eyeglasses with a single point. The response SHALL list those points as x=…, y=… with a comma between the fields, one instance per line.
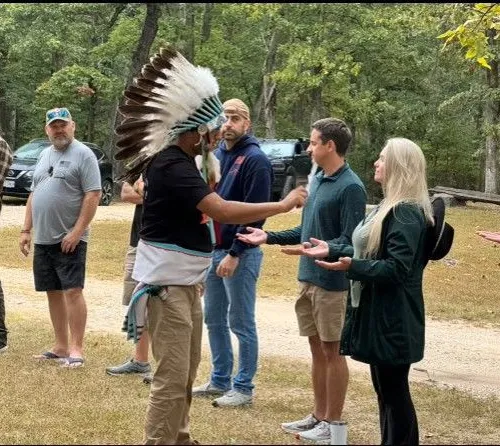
x=51, y=170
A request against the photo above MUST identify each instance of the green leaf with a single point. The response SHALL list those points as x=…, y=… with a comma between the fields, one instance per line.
x=471, y=53
x=482, y=61
x=449, y=33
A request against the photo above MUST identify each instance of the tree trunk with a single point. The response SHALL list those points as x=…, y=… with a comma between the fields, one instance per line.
x=270, y=107
x=317, y=106
x=269, y=87
x=119, y=8
x=139, y=58
x=13, y=129
x=491, y=119
x=185, y=42
x=481, y=159
x=207, y=22
x=190, y=20
x=148, y=34
x=257, y=106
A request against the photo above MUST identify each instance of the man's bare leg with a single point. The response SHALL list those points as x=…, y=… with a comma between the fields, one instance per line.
x=319, y=375
x=59, y=318
x=77, y=320
x=142, y=348
x=337, y=379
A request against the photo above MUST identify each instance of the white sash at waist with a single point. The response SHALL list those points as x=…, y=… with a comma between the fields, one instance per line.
x=168, y=264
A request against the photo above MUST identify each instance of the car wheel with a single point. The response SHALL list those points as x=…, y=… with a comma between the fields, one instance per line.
x=107, y=193
x=288, y=186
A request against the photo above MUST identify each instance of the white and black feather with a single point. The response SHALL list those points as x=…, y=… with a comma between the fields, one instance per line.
x=169, y=96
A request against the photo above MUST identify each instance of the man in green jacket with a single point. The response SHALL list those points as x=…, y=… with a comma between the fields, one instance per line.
x=336, y=204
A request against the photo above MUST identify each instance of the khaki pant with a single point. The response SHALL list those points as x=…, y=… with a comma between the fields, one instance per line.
x=129, y=284
x=175, y=327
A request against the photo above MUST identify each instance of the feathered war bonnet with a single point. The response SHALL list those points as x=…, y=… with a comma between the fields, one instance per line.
x=169, y=97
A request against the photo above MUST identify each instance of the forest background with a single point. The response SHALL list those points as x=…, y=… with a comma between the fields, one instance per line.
x=427, y=72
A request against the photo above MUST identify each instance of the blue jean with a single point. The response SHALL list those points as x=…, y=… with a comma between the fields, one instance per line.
x=230, y=304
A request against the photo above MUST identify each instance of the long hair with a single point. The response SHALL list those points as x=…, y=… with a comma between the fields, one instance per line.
x=405, y=181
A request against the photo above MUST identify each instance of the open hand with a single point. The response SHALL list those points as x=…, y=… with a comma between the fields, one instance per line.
x=343, y=264
x=255, y=236
x=319, y=251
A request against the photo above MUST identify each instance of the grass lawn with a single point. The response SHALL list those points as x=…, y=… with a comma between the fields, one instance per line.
x=43, y=403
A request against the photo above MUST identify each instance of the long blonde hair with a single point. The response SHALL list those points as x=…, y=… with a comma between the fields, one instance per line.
x=405, y=181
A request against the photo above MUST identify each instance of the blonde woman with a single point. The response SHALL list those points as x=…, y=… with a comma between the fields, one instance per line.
x=385, y=325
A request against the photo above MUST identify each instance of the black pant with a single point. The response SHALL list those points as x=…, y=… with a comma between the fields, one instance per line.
x=398, y=420
x=3, y=330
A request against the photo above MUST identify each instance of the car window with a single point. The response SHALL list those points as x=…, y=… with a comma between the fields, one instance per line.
x=97, y=152
x=31, y=150
x=277, y=149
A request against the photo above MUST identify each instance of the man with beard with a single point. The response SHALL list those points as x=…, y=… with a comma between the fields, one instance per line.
x=230, y=290
x=66, y=190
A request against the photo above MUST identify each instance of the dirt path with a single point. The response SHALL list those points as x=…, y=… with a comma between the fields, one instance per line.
x=457, y=354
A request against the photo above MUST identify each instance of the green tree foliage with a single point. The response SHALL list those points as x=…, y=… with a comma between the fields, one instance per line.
x=478, y=36
x=377, y=66
x=85, y=91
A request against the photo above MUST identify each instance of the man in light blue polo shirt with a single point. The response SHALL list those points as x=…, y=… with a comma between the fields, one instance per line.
x=66, y=190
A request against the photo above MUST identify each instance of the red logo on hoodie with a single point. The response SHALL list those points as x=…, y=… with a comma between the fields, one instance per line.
x=236, y=165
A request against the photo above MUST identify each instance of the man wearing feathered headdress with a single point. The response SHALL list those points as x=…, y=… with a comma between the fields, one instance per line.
x=173, y=114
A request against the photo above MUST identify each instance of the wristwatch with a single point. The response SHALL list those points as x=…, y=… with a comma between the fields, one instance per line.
x=232, y=253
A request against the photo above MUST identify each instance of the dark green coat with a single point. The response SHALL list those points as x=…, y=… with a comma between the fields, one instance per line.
x=388, y=327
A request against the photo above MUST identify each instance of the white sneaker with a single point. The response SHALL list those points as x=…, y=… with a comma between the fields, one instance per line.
x=321, y=432
x=301, y=425
x=232, y=398
x=207, y=389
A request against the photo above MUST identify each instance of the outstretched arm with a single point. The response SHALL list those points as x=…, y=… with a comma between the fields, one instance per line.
x=491, y=236
x=243, y=213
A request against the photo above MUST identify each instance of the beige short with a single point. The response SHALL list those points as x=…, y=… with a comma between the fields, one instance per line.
x=320, y=312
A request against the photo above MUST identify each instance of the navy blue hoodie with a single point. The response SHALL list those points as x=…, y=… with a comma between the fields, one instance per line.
x=247, y=176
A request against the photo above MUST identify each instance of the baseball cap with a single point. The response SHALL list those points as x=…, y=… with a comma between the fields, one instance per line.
x=62, y=114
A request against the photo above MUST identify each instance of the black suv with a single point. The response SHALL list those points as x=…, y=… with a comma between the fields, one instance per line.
x=20, y=175
x=291, y=163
